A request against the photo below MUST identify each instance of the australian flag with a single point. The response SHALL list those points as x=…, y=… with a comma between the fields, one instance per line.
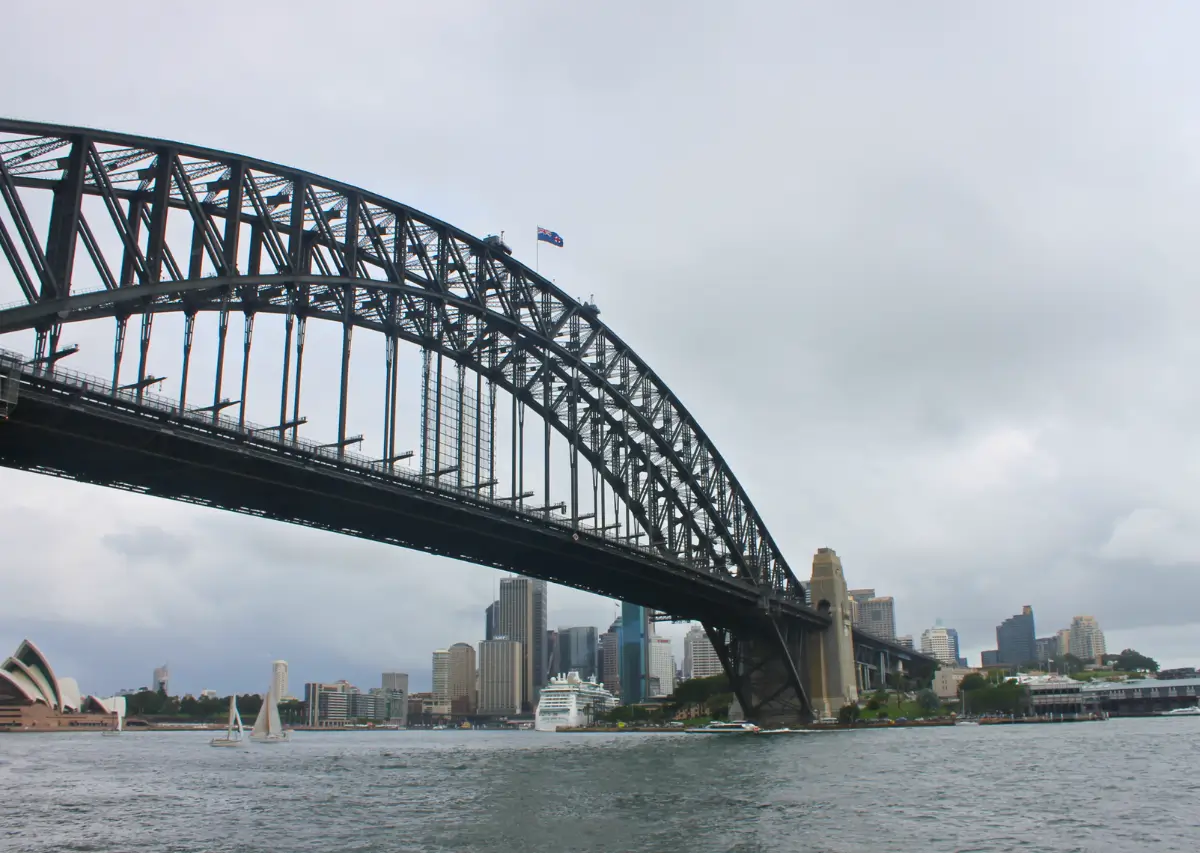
x=548, y=236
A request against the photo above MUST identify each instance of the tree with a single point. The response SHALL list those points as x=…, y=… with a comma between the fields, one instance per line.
x=1132, y=661
x=974, y=681
x=883, y=715
x=1071, y=664
x=872, y=704
x=848, y=713
x=881, y=697
x=928, y=701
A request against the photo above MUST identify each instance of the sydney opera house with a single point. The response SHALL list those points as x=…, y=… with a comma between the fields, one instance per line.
x=32, y=698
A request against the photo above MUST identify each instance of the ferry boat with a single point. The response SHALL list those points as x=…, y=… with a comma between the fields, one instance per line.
x=569, y=702
x=734, y=727
x=1188, y=711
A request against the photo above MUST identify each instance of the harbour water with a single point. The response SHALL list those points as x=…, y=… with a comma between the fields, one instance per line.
x=1122, y=785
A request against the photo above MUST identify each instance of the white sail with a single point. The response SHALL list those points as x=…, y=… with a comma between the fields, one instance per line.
x=274, y=724
x=232, y=711
x=260, y=722
x=238, y=719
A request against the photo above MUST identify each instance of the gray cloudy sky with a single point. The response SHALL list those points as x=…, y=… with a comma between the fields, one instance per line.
x=924, y=272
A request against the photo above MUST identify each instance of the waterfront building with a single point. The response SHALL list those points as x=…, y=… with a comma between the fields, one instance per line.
x=947, y=679
x=1015, y=638
x=461, y=682
x=610, y=652
x=501, y=672
x=937, y=643
x=634, y=638
x=441, y=682
x=699, y=657
x=874, y=614
x=514, y=623
x=490, y=617
x=326, y=705
x=33, y=698
x=279, y=678
x=577, y=649
x=162, y=677
x=541, y=658
x=661, y=671
x=1086, y=640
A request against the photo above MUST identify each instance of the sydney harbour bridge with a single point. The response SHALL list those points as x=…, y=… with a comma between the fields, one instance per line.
x=546, y=445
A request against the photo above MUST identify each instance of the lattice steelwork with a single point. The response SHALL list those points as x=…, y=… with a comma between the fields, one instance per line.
x=457, y=425
x=200, y=230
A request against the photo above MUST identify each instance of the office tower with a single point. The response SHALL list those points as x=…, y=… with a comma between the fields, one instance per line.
x=959, y=660
x=1086, y=640
x=874, y=614
x=514, y=622
x=441, y=682
x=661, y=670
x=610, y=646
x=541, y=658
x=327, y=705
x=1064, y=641
x=699, y=657
x=1045, y=649
x=634, y=636
x=936, y=643
x=1015, y=638
x=577, y=651
x=463, y=699
x=279, y=680
x=553, y=655
x=501, y=671
x=396, y=682
x=906, y=641
x=989, y=658
x=161, y=677
x=489, y=620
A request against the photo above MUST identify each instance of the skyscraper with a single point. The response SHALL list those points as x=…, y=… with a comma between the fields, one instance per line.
x=279, y=678
x=874, y=614
x=635, y=631
x=489, y=620
x=699, y=657
x=501, y=671
x=441, y=682
x=541, y=659
x=610, y=650
x=396, y=682
x=462, y=679
x=936, y=643
x=959, y=660
x=553, y=654
x=661, y=671
x=514, y=622
x=577, y=651
x=1064, y=641
x=1086, y=640
x=1045, y=649
x=1015, y=638
x=161, y=677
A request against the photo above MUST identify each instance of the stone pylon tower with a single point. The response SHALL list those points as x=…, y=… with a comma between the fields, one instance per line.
x=829, y=655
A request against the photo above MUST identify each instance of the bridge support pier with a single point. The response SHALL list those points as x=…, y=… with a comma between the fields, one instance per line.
x=763, y=664
x=829, y=655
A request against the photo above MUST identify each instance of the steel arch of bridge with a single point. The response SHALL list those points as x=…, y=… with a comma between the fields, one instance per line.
x=320, y=249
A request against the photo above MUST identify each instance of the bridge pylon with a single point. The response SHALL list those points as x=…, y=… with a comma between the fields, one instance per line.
x=829, y=654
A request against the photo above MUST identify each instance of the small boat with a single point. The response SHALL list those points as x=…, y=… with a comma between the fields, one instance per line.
x=1189, y=711
x=735, y=727
x=267, y=726
x=113, y=732
x=233, y=737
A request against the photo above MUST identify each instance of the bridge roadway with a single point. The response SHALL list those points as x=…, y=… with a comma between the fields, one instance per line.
x=72, y=425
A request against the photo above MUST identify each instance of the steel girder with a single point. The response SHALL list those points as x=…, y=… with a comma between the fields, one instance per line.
x=263, y=238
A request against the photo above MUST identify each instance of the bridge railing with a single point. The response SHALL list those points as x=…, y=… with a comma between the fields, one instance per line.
x=268, y=438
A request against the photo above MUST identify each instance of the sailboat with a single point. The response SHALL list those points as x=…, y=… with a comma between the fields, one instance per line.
x=232, y=737
x=113, y=732
x=267, y=726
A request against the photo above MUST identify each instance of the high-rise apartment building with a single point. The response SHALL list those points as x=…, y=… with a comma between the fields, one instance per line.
x=514, y=622
x=541, y=657
x=577, y=649
x=326, y=705
x=936, y=643
x=699, y=657
x=161, y=678
x=1064, y=641
x=1015, y=638
x=489, y=620
x=660, y=680
x=501, y=671
x=461, y=679
x=441, y=682
x=279, y=678
x=610, y=651
x=635, y=633
x=1086, y=639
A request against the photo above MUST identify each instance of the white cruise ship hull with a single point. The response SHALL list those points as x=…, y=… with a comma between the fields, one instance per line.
x=569, y=703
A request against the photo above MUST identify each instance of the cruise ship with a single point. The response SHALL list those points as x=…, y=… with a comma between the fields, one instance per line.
x=569, y=702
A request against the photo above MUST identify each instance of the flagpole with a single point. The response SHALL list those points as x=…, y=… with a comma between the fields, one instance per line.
x=537, y=253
